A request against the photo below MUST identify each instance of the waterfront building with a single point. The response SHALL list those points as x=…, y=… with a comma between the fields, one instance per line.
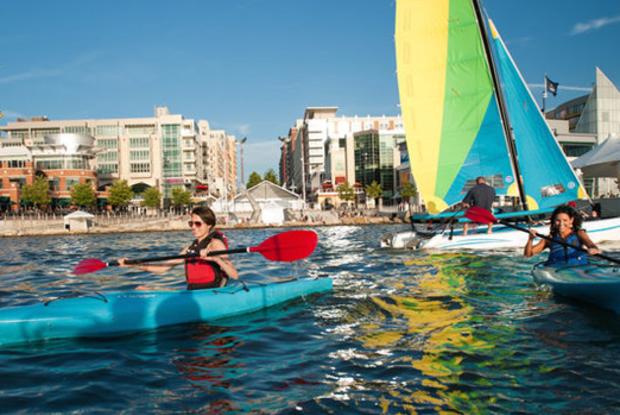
x=320, y=134
x=589, y=119
x=163, y=151
x=219, y=154
x=63, y=159
x=376, y=156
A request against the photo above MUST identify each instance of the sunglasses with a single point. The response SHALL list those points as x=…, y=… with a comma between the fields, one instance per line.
x=197, y=224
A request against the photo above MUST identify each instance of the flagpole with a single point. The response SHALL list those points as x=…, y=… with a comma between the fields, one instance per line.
x=544, y=95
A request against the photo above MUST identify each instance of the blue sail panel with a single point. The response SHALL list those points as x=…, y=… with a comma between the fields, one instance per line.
x=548, y=178
x=485, y=158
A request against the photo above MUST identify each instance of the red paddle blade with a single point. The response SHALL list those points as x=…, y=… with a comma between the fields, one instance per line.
x=288, y=246
x=480, y=215
x=89, y=265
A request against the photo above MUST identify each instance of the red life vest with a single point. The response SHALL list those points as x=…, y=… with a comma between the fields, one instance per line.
x=200, y=273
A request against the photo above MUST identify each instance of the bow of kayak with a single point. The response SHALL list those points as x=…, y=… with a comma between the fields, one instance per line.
x=595, y=284
x=119, y=313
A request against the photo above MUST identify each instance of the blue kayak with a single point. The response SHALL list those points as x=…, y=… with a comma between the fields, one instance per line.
x=594, y=284
x=118, y=313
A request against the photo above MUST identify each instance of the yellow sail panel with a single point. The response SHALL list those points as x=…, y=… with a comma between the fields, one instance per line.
x=421, y=56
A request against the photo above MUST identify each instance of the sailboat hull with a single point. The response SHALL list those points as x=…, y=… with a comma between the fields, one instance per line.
x=503, y=238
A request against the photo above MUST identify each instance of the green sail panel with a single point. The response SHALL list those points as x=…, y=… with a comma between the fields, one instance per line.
x=449, y=108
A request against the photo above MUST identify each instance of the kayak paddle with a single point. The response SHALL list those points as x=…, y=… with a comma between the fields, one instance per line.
x=481, y=215
x=285, y=247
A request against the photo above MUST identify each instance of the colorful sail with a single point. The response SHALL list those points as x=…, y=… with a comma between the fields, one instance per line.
x=548, y=179
x=449, y=106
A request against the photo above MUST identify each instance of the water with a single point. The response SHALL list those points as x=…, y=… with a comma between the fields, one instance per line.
x=402, y=332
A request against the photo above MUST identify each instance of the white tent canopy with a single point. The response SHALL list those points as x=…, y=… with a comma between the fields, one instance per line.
x=602, y=161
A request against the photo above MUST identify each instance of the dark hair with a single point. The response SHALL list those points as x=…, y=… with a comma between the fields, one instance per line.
x=480, y=180
x=205, y=213
x=572, y=213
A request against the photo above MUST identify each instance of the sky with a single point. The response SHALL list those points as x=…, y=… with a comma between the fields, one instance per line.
x=251, y=67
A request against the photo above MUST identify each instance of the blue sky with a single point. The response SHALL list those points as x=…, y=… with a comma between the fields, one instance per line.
x=252, y=66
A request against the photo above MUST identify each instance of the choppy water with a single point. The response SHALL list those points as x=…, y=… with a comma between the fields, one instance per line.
x=402, y=332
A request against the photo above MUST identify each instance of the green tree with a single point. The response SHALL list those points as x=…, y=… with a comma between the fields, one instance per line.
x=407, y=191
x=374, y=191
x=253, y=180
x=120, y=194
x=152, y=198
x=181, y=197
x=37, y=193
x=271, y=176
x=345, y=192
x=83, y=195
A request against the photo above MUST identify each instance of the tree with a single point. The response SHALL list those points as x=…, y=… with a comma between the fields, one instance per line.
x=181, y=197
x=345, y=192
x=374, y=191
x=83, y=195
x=253, y=180
x=270, y=176
x=407, y=191
x=37, y=193
x=120, y=194
x=152, y=198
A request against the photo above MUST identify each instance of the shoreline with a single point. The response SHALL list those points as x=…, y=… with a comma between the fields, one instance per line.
x=43, y=228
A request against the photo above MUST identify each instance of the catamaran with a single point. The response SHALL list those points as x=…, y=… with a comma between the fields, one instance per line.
x=468, y=113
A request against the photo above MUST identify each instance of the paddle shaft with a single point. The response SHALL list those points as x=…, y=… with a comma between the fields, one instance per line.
x=510, y=225
x=166, y=258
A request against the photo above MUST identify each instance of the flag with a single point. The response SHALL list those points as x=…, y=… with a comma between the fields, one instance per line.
x=551, y=86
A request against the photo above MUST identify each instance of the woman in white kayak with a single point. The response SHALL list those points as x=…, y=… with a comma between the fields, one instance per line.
x=201, y=271
x=565, y=227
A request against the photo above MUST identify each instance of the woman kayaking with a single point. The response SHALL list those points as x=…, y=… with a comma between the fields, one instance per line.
x=201, y=271
x=565, y=228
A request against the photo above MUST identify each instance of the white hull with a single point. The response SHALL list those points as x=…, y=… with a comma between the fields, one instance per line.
x=604, y=230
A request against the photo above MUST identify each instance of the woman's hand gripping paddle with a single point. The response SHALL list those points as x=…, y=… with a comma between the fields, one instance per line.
x=284, y=247
x=480, y=215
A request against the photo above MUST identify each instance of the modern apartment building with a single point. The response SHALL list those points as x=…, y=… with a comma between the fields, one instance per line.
x=163, y=151
x=376, y=157
x=219, y=168
x=320, y=127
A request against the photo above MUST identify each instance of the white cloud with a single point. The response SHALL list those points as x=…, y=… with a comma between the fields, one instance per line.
x=243, y=129
x=81, y=60
x=595, y=24
x=260, y=156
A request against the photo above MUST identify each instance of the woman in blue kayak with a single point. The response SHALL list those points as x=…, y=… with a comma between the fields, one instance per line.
x=201, y=271
x=566, y=228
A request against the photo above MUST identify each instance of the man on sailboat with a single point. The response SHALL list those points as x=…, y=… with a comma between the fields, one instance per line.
x=481, y=195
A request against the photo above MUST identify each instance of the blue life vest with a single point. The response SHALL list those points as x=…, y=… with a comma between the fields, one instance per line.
x=562, y=255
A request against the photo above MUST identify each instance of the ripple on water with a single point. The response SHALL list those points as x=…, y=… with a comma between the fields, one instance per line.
x=403, y=332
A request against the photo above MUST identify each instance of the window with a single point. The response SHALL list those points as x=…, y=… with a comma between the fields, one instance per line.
x=36, y=134
x=139, y=155
x=140, y=167
x=139, y=142
x=77, y=129
x=136, y=130
x=107, y=156
x=77, y=163
x=106, y=130
x=16, y=164
x=107, y=143
x=107, y=168
x=70, y=182
x=49, y=164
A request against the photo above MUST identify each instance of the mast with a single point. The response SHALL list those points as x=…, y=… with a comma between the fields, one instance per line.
x=512, y=150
